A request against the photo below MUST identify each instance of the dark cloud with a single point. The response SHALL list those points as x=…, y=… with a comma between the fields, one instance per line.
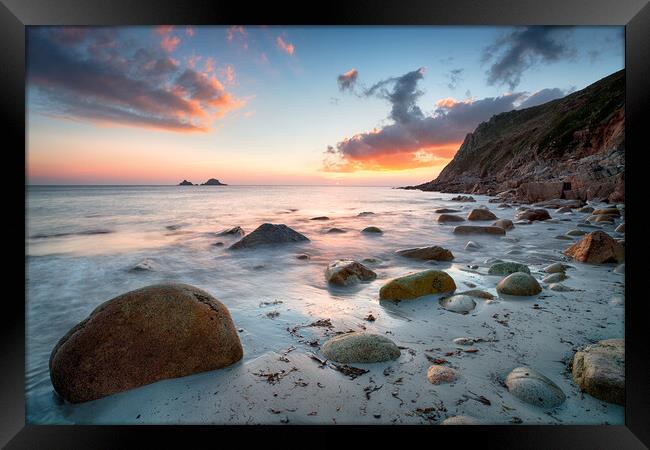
x=89, y=74
x=519, y=50
x=413, y=139
x=543, y=96
x=348, y=80
x=402, y=93
x=455, y=76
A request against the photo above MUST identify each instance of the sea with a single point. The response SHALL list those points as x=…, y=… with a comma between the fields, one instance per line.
x=83, y=242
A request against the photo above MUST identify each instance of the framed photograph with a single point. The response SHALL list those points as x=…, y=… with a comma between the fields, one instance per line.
x=308, y=219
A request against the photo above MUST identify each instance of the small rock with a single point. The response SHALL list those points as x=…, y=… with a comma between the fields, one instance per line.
x=366, y=213
x=597, y=247
x=620, y=228
x=234, y=231
x=506, y=224
x=556, y=268
x=372, y=230
x=478, y=293
x=438, y=374
x=506, y=268
x=218, y=244
x=599, y=370
x=458, y=303
x=519, y=284
x=445, y=210
x=601, y=219
x=460, y=420
x=563, y=237
x=417, y=284
x=444, y=218
x=146, y=265
x=533, y=387
x=586, y=209
x=559, y=287
x=267, y=234
x=555, y=277
x=464, y=341
x=346, y=272
x=360, y=347
x=463, y=198
x=607, y=212
x=303, y=256
x=533, y=214
x=620, y=269
x=472, y=246
x=471, y=229
x=435, y=253
x=576, y=232
x=336, y=230
x=563, y=210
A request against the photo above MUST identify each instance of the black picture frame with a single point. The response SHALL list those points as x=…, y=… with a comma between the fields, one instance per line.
x=15, y=15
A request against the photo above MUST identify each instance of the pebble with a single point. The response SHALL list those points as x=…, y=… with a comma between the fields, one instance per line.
x=535, y=388
x=461, y=304
x=555, y=268
x=441, y=374
x=555, y=277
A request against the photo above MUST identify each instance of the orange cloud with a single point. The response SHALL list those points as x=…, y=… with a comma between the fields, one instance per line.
x=393, y=159
x=285, y=46
x=208, y=66
x=448, y=102
x=154, y=93
x=169, y=43
x=164, y=29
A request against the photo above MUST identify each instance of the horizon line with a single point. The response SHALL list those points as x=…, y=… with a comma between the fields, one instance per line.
x=199, y=185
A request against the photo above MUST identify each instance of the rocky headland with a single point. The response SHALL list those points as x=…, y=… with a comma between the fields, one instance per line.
x=569, y=148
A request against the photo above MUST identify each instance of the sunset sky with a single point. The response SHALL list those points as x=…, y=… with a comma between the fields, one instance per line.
x=382, y=106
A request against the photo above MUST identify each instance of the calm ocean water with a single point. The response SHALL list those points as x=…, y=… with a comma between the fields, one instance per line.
x=82, y=241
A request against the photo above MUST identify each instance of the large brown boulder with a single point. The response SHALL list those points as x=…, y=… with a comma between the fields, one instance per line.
x=481, y=214
x=599, y=370
x=150, y=334
x=597, y=247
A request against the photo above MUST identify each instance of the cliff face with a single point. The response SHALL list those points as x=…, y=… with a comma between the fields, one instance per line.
x=573, y=148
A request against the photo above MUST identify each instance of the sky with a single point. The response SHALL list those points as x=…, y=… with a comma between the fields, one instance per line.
x=252, y=105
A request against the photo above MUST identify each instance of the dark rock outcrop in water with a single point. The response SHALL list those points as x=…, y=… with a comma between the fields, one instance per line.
x=267, y=234
x=213, y=182
x=150, y=334
x=185, y=183
x=572, y=148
